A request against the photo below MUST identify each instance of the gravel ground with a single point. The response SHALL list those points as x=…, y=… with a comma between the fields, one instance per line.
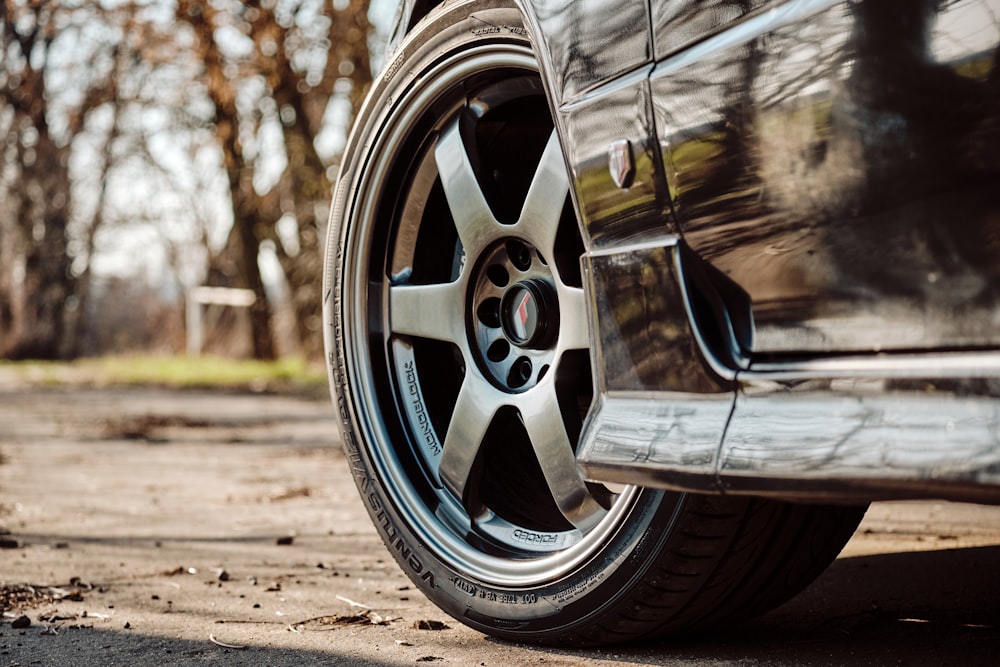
x=156, y=527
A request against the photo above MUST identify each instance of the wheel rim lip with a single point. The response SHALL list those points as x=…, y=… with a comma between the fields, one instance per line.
x=428, y=527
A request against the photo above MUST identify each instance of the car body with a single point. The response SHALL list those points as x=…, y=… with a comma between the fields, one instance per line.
x=631, y=308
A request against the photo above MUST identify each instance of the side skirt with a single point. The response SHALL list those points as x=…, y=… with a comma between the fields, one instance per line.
x=678, y=407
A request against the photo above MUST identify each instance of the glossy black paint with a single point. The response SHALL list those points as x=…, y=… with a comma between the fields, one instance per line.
x=838, y=162
x=588, y=128
x=678, y=24
x=841, y=164
x=661, y=409
x=587, y=42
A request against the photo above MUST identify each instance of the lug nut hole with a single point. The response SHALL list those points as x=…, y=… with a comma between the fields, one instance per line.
x=489, y=312
x=520, y=255
x=520, y=373
x=498, y=275
x=498, y=350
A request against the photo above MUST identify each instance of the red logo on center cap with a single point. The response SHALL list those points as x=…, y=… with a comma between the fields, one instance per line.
x=521, y=323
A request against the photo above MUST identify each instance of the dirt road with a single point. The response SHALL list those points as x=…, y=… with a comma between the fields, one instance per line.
x=151, y=527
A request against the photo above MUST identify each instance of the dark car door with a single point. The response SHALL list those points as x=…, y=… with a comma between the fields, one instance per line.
x=840, y=161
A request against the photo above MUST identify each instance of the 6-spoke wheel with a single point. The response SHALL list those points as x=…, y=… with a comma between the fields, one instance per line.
x=471, y=325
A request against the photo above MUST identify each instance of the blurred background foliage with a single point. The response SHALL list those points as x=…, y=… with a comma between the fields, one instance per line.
x=153, y=146
x=288, y=375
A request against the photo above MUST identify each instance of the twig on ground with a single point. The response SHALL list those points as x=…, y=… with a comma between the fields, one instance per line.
x=215, y=641
x=352, y=602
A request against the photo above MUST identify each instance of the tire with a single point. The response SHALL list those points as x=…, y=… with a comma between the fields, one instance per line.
x=457, y=341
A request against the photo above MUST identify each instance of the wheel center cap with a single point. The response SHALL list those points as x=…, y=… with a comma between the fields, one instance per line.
x=524, y=313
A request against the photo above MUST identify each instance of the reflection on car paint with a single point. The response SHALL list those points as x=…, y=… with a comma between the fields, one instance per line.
x=849, y=188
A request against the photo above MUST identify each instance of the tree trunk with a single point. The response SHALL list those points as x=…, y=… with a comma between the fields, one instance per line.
x=38, y=326
x=260, y=311
x=305, y=181
x=246, y=204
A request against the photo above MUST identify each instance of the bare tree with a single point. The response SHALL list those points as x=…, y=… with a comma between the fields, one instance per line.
x=270, y=66
x=38, y=189
x=222, y=89
x=302, y=97
x=254, y=85
x=62, y=63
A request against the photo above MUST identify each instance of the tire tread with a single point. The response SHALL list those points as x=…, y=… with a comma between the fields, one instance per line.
x=776, y=550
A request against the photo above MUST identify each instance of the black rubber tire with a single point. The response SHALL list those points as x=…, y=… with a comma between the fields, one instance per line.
x=656, y=562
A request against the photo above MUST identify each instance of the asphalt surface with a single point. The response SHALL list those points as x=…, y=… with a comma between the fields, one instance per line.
x=154, y=527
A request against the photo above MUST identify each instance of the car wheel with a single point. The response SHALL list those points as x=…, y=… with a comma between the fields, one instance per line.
x=458, y=343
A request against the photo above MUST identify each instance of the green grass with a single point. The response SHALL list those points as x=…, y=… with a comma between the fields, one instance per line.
x=290, y=375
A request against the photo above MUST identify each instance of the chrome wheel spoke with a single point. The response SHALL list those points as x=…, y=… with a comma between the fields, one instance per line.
x=470, y=420
x=473, y=217
x=543, y=206
x=427, y=311
x=544, y=424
